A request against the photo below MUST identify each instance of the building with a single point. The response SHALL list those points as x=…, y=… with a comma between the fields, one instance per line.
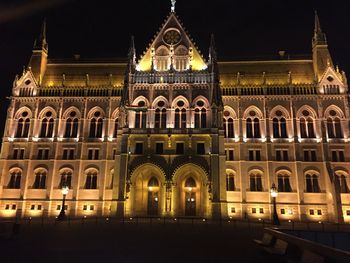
x=176, y=133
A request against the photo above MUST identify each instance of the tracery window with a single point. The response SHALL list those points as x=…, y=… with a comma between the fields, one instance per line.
x=140, y=116
x=253, y=126
x=160, y=119
x=180, y=115
x=47, y=125
x=72, y=125
x=23, y=125
x=200, y=115
x=279, y=126
x=229, y=130
x=334, y=128
x=96, y=125
x=307, y=129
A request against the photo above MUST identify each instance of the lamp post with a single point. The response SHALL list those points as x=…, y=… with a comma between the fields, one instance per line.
x=274, y=194
x=62, y=215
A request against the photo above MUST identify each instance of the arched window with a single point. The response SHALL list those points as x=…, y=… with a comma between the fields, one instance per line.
x=303, y=131
x=307, y=126
x=249, y=128
x=310, y=128
x=312, y=185
x=229, y=130
x=253, y=128
x=279, y=127
x=200, y=115
x=343, y=184
x=230, y=182
x=140, y=116
x=96, y=125
x=47, y=125
x=91, y=180
x=160, y=119
x=153, y=182
x=257, y=128
x=116, y=127
x=256, y=183
x=15, y=180
x=72, y=125
x=23, y=125
x=338, y=129
x=284, y=183
x=334, y=128
x=66, y=179
x=40, y=180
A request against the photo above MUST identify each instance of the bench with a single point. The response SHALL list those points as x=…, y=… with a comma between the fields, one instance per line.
x=265, y=241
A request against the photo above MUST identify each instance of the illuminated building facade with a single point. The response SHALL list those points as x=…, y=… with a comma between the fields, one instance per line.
x=177, y=134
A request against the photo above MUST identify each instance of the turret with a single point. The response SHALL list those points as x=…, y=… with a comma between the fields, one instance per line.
x=320, y=53
x=38, y=60
x=131, y=66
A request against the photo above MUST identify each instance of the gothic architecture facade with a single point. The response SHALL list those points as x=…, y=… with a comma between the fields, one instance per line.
x=176, y=133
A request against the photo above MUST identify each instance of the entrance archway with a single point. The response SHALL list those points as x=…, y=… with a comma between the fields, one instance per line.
x=146, y=191
x=190, y=191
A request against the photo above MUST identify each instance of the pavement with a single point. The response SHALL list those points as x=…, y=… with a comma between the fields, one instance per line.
x=130, y=242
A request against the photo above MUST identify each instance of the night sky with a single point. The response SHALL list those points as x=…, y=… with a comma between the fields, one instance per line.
x=100, y=28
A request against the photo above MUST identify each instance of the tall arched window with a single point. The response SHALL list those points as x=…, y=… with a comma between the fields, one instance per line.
x=160, y=119
x=284, y=183
x=180, y=115
x=344, y=188
x=40, y=180
x=334, y=128
x=91, y=180
x=307, y=125
x=72, y=125
x=279, y=126
x=230, y=182
x=66, y=179
x=200, y=115
x=15, y=179
x=23, y=125
x=96, y=125
x=47, y=125
x=249, y=128
x=229, y=130
x=312, y=185
x=256, y=183
x=140, y=116
x=116, y=127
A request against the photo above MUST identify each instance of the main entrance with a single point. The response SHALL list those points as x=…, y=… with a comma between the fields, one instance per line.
x=190, y=197
x=153, y=198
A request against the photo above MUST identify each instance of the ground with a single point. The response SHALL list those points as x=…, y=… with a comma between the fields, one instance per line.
x=156, y=241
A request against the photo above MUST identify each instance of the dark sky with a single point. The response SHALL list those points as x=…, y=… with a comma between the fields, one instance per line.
x=100, y=28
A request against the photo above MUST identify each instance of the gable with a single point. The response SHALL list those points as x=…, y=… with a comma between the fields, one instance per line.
x=172, y=37
x=331, y=82
x=26, y=85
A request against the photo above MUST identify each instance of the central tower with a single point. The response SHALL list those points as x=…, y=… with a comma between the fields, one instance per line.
x=172, y=157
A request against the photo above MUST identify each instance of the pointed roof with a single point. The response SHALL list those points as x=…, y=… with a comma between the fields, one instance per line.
x=319, y=36
x=41, y=43
x=172, y=22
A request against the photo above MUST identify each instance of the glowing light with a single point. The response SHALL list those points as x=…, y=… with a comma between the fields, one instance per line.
x=11, y=139
x=35, y=139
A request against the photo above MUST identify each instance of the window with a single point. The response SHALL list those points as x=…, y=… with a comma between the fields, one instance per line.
x=279, y=127
x=200, y=148
x=160, y=118
x=47, y=125
x=312, y=185
x=23, y=125
x=68, y=154
x=59, y=207
x=261, y=210
x=91, y=180
x=141, y=116
x=233, y=210
x=43, y=154
x=284, y=183
x=200, y=115
x=93, y=154
x=343, y=184
x=338, y=156
x=96, y=125
x=253, y=210
x=348, y=212
x=66, y=179
x=159, y=148
x=319, y=212
x=40, y=180
x=139, y=148
x=15, y=180
x=230, y=182
x=253, y=127
x=230, y=155
x=312, y=212
x=310, y=156
x=255, y=183
x=180, y=116
x=180, y=148
x=228, y=125
x=18, y=154
x=116, y=127
x=281, y=155
x=334, y=128
x=307, y=126
x=72, y=125
x=283, y=211
x=254, y=155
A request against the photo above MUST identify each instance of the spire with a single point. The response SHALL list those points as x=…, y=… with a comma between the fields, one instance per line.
x=212, y=51
x=214, y=70
x=129, y=70
x=173, y=2
x=319, y=36
x=132, y=54
x=41, y=43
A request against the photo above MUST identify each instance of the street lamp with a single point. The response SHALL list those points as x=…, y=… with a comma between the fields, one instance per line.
x=62, y=215
x=274, y=194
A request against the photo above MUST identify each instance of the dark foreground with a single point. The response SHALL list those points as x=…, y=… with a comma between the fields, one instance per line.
x=130, y=242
